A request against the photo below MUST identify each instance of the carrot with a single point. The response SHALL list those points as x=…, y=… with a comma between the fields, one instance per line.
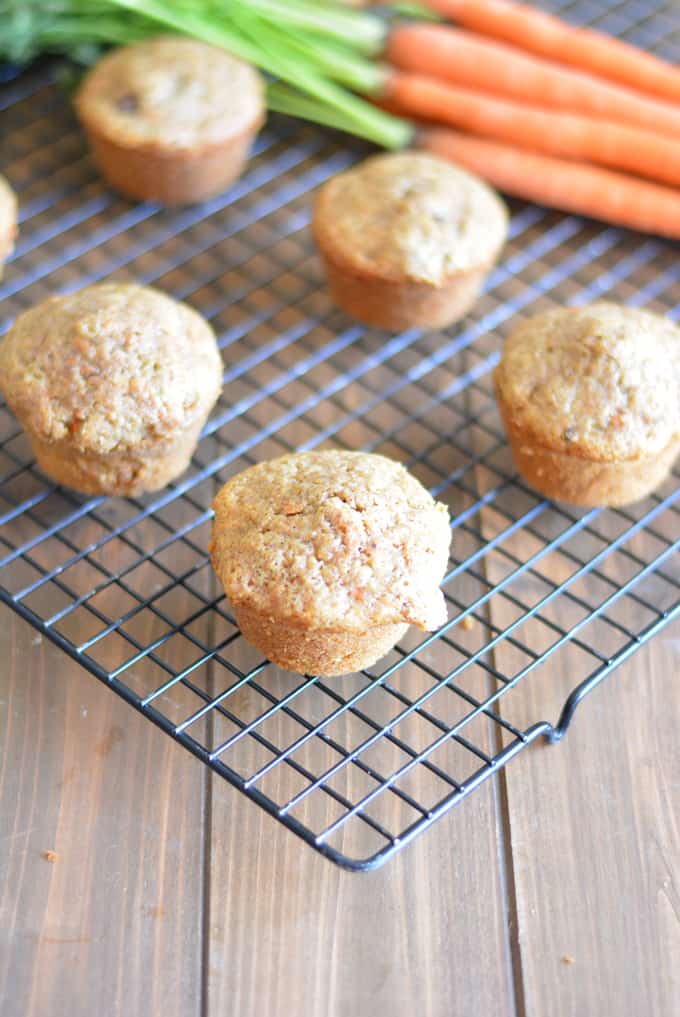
x=489, y=66
x=572, y=136
x=550, y=37
x=572, y=187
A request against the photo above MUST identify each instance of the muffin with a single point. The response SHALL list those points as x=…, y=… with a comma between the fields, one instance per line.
x=171, y=119
x=112, y=385
x=407, y=239
x=8, y=221
x=328, y=557
x=590, y=398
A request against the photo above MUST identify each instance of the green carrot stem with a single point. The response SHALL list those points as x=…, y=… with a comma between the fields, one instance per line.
x=316, y=53
x=186, y=22
x=95, y=30
x=366, y=32
x=339, y=63
x=282, y=99
x=413, y=9
x=369, y=122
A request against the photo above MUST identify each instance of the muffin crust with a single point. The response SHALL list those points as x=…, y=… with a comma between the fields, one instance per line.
x=407, y=239
x=113, y=384
x=590, y=397
x=411, y=215
x=327, y=557
x=171, y=118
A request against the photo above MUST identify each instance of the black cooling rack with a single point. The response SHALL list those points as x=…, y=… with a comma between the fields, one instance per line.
x=356, y=766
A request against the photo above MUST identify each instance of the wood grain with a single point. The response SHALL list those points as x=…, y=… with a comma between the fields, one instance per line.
x=290, y=933
x=595, y=829
x=111, y=923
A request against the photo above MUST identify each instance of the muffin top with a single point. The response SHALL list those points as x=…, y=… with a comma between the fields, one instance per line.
x=110, y=367
x=171, y=91
x=410, y=215
x=599, y=381
x=337, y=540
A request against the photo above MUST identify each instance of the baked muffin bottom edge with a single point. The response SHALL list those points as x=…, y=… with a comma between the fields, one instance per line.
x=584, y=482
x=322, y=651
x=396, y=305
x=127, y=472
x=171, y=177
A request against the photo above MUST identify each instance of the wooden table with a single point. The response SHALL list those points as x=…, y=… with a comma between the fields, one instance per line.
x=135, y=883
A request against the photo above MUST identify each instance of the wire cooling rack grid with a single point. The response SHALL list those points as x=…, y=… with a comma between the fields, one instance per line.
x=357, y=766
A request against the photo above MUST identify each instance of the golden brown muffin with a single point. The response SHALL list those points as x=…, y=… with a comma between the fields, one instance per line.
x=112, y=384
x=8, y=221
x=590, y=398
x=328, y=557
x=407, y=239
x=171, y=119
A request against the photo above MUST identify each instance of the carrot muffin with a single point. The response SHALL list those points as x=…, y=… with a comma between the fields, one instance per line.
x=407, y=239
x=171, y=119
x=590, y=398
x=328, y=557
x=112, y=384
x=8, y=221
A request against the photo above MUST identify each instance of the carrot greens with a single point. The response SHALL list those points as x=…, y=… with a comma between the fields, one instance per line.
x=320, y=50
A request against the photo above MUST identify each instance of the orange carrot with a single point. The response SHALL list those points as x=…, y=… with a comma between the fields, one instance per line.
x=489, y=66
x=548, y=36
x=572, y=187
x=572, y=136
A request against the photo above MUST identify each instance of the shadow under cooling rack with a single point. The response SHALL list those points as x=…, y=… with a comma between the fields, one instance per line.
x=357, y=766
